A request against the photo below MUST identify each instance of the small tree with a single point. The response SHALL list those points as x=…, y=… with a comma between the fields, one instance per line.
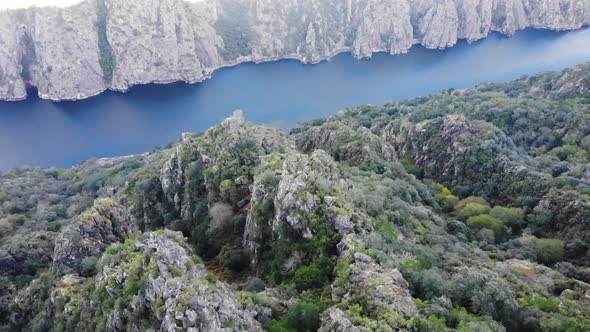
x=308, y=277
x=549, y=251
x=304, y=316
x=221, y=216
x=511, y=217
x=471, y=206
x=488, y=222
x=88, y=265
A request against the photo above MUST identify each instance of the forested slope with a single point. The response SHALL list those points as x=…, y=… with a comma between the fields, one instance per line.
x=465, y=210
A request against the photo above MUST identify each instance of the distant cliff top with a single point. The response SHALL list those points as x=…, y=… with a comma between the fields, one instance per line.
x=47, y=3
x=38, y=3
x=77, y=52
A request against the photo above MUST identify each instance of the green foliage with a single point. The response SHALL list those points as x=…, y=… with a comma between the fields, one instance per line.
x=425, y=284
x=175, y=271
x=106, y=58
x=310, y=276
x=488, y=222
x=549, y=251
x=88, y=265
x=445, y=198
x=386, y=230
x=254, y=285
x=542, y=303
x=471, y=206
x=280, y=327
x=132, y=288
x=569, y=152
x=483, y=293
x=325, y=237
x=235, y=259
x=303, y=316
x=342, y=271
x=412, y=168
x=432, y=324
x=511, y=217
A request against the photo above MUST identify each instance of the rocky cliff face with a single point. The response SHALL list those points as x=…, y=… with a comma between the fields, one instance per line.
x=80, y=51
x=95, y=229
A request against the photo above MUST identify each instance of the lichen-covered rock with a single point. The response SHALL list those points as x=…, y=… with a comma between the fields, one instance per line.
x=105, y=223
x=532, y=278
x=473, y=156
x=564, y=214
x=346, y=144
x=171, y=179
x=150, y=282
x=267, y=304
x=232, y=150
x=383, y=291
x=536, y=277
x=296, y=196
x=156, y=274
x=304, y=196
x=335, y=321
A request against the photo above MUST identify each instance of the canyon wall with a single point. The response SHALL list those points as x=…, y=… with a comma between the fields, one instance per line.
x=80, y=51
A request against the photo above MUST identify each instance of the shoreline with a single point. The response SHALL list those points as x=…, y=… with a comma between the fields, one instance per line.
x=259, y=60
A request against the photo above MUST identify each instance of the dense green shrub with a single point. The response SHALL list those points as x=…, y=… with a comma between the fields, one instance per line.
x=542, y=303
x=488, y=222
x=511, y=217
x=549, y=251
x=235, y=259
x=88, y=265
x=308, y=277
x=483, y=293
x=314, y=275
x=425, y=283
x=568, y=152
x=446, y=199
x=254, y=285
x=471, y=206
x=303, y=316
x=432, y=324
x=412, y=168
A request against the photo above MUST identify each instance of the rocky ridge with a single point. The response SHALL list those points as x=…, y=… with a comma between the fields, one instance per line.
x=78, y=52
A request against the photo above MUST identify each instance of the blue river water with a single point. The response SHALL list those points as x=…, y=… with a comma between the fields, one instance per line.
x=37, y=132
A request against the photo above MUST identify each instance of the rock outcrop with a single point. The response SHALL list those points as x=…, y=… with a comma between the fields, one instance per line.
x=303, y=189
x=564, y=214
x=384, y=291
x=164, y=279
x=475, y=154
x=80, y=51
x=105, y=223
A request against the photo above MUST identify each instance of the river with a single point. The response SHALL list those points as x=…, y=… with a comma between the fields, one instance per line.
x=42, y=133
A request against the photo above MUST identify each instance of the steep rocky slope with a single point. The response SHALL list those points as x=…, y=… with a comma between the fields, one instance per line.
x=80, y=51
x=466, y=210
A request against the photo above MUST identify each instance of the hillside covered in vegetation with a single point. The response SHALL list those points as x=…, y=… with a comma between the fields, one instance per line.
x=466, y=210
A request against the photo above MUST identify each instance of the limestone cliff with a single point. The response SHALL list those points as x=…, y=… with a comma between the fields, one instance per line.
x=80, y=51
